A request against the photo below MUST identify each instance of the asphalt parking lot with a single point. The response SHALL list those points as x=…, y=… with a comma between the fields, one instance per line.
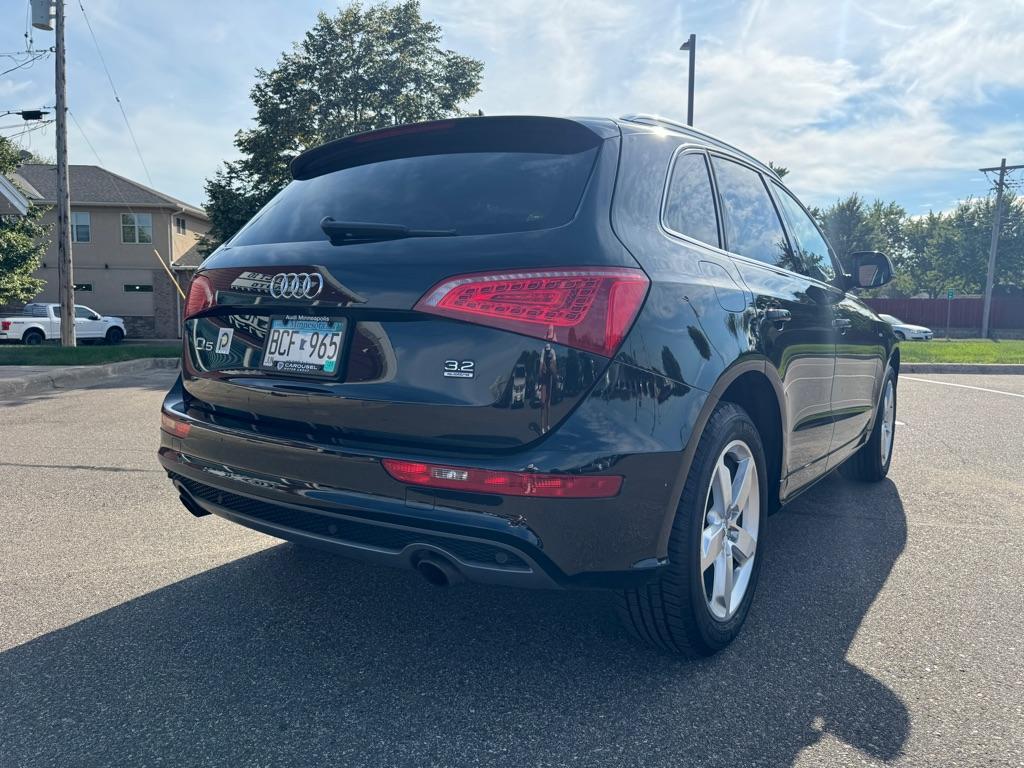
x=887, y=628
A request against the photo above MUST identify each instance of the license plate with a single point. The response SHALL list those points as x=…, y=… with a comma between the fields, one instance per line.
x=304, y=345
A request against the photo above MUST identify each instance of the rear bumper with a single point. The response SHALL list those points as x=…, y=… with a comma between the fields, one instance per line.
x=342, y=499
x=476, y=554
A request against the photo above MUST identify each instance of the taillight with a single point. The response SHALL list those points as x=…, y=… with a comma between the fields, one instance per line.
x=200, y=296
x=503, y=483
x=588, y=308
x=177, y=427
x=5, y=325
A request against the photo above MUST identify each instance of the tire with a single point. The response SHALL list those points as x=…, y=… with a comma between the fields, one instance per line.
x=33, y=337
x=114, y=336
x=868, y=464
x=675, y=613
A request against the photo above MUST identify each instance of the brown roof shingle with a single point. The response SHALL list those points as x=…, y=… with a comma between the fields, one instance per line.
x=92, y=184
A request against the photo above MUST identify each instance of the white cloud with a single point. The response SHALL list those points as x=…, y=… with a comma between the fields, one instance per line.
x=956, y=51
x=760, y=90
x=882, y=117
x=540, y=56
x=851, y=95
x=10, y=88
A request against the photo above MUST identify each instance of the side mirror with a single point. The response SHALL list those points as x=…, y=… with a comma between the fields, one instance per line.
x=868, y=269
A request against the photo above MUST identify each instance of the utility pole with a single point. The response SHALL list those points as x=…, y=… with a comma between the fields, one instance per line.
x=691, y=46
x=65, y=272
x=994, y=247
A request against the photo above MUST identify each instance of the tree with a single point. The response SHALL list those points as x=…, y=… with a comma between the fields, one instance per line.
x=361, y=69
x=846, y=225
x=852, y=225
x=950, y=250
x=780, y=170
x=23, y=241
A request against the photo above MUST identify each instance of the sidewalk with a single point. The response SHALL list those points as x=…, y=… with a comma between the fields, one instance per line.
x=19, y=380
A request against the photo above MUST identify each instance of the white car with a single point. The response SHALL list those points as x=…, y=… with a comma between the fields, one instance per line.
x=906, y=330
x=39, y=322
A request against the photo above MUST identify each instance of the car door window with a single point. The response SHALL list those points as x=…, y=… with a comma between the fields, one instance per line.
x=752, y=225
x=83, y=313
x=812, y=251
x=690, y=203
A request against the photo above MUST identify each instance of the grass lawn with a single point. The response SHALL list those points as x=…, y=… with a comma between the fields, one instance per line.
x=962, y=351
x=86, y=354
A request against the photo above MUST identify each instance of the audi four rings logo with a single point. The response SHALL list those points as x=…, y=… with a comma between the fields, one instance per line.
x=296, y=285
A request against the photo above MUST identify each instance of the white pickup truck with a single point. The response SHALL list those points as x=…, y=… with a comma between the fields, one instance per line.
x=39, y=322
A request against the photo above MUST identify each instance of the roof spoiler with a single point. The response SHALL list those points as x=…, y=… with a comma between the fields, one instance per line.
x=553, y=135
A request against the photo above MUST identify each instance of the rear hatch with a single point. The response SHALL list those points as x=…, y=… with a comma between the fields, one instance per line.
x=465, y=291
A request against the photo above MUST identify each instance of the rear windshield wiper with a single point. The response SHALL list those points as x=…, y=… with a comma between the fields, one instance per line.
x=353, y=232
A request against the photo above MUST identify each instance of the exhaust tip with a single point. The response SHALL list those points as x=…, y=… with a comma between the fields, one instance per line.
x=436, y=570
x=189, y=503
x=433, y=574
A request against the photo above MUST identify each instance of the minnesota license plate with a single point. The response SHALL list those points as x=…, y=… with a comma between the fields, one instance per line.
x=304, y=345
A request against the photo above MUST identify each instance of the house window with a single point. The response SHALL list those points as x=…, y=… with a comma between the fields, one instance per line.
x=81, y=231
x=79, y=287
x=179, y=225
x=138, y=288
x=136, y=228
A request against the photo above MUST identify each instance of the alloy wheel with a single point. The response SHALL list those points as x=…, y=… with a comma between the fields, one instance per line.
x=728, y=542
x=888, y=421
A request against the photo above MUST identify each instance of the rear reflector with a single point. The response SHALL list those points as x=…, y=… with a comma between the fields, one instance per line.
x=200, y=296
x=170, y=424
x=589, y=308
x=504, y=483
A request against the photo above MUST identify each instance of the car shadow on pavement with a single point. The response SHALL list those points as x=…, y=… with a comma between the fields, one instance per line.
x=294, y=657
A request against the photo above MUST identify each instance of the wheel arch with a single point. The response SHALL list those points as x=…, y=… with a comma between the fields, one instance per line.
x=755, y=386
x=754, y=392
x=34, y=329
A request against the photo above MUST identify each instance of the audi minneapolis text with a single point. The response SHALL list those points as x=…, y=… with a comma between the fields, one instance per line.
x=536, y=352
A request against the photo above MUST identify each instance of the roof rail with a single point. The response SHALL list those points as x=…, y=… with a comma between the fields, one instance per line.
x=664, y=122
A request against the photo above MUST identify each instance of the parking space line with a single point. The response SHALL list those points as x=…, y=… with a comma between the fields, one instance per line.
x=962, y=386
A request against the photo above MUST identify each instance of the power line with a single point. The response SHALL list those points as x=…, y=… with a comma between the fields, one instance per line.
x=91, y=147
x=113, y=88
x=44, y=124
x=27, y=63
x=23, y=127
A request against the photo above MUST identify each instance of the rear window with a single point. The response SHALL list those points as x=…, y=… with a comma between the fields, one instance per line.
x=474, y=193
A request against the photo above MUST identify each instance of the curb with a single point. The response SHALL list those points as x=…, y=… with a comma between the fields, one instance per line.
x=75, y=376
x=1000, y=368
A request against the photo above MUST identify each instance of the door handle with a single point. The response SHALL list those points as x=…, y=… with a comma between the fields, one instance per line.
x=777, y=315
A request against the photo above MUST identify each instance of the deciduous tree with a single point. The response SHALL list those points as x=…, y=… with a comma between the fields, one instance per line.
x=357, y=70
x=23, y=241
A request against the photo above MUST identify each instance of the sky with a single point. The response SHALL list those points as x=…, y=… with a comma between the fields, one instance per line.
x=901, y=100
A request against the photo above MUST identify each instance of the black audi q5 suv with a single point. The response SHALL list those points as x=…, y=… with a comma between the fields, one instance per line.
x=536, y=352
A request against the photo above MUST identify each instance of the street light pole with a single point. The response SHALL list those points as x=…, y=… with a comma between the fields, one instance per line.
x=691, y=46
